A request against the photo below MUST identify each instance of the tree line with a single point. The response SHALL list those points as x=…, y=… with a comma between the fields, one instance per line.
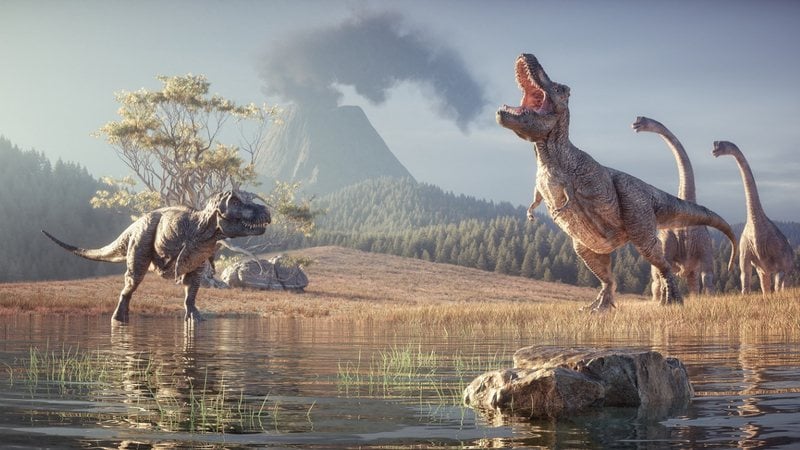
x=391, y=204
x=39, y=195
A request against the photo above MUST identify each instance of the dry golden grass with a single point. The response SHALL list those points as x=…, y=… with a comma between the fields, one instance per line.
x=342, y=282
x=353, y=285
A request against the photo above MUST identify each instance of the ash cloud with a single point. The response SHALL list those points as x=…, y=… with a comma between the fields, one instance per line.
x=372, y=53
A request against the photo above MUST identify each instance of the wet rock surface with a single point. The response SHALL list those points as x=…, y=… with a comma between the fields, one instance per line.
x=557, y=382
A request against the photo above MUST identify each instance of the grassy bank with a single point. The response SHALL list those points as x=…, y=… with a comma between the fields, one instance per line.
x=352, y=285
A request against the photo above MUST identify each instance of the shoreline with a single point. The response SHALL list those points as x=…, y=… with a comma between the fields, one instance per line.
x=350, y=285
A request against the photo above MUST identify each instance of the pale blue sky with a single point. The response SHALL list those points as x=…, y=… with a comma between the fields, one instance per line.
x=710, y=70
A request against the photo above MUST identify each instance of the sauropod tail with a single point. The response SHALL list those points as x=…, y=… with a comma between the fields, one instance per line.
x=113, y=252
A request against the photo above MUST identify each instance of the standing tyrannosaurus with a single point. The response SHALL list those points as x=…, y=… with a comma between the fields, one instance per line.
x=177, y=241
x=600, y=208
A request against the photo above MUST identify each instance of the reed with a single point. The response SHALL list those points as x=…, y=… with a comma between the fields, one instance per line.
x=158, y=404
x=66, y=369
x=208, y=411
x=409, y=372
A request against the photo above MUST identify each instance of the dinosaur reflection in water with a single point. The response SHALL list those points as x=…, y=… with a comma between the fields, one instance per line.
x=187, y=389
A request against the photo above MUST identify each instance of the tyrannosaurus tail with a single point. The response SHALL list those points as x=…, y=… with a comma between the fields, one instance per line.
x=684, y=214
x=113, y=252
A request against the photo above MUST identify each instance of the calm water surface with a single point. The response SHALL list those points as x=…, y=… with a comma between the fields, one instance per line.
x=306, y=383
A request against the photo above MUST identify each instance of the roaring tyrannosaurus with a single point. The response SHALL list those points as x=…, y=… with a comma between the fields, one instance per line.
x=600, y=208
x=689, y=249
x=176, y=241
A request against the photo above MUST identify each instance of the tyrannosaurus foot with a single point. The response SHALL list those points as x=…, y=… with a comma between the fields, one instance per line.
x=193, y=316
x=602, y=303
x=119, y=317
x=116, y=320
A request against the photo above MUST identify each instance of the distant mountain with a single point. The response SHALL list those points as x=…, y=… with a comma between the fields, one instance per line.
x=326, y=150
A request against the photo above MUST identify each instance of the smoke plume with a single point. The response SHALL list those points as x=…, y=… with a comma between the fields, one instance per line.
x=372, y=53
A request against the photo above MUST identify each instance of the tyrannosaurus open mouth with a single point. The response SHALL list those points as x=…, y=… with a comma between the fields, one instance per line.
x=534, y=97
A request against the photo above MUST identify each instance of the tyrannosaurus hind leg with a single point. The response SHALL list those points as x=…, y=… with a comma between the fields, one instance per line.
x=138, y=261
x=191, y=283
x=642, y=233
x=600, y=265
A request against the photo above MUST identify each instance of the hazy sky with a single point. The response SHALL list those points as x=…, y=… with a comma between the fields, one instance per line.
x=708, y=70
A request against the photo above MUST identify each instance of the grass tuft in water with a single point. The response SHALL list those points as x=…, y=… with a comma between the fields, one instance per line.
x=155, y=400
x=411, y=373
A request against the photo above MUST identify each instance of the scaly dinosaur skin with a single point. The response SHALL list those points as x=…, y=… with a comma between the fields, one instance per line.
x=600, y=208
x=689, y=249
x=762, y=245
x=176, y=242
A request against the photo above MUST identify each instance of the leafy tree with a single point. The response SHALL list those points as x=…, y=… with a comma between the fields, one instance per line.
x=172, y=140
x=175, y=142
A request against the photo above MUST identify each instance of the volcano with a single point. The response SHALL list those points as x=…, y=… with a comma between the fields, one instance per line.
x=326, y=150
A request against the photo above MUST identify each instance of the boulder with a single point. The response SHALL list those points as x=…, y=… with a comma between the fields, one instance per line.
x=265, y=274
x=555, y=382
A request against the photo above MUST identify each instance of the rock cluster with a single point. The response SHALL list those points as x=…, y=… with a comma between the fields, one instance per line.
x=265, y=275
x=557, y=382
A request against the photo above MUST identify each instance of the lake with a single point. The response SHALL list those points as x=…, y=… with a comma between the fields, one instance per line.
x=251, y=382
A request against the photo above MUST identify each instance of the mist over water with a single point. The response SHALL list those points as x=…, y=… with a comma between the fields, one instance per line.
x=372, y=52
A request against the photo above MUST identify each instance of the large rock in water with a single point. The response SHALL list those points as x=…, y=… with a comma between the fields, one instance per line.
x=556, y=382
